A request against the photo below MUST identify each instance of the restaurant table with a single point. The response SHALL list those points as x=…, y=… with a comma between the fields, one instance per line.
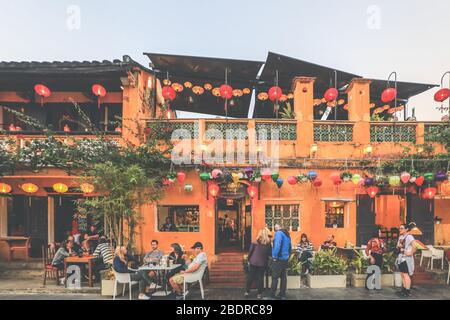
x=442, y=247
x=162, y=270
x=80, y=260
x=16, y=243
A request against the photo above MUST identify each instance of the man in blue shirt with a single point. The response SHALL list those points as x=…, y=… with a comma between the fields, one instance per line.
x=280, y=255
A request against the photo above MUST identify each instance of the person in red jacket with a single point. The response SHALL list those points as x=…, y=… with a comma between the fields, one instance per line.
x=375, y=249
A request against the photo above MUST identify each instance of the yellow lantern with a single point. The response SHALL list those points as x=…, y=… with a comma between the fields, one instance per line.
x=263, y=96
x=246, y=91
x=188, y=84
x=197, y=90
x=208, y=86
x=87, y=188
x=216, y=92
x=60, y=187
x=5, y=188
x=237, y=93
x=167, y=82
x=178, y=87
x=30, y=188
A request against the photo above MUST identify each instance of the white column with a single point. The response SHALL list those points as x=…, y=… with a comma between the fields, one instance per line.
x=3, y=217
x=51, y=219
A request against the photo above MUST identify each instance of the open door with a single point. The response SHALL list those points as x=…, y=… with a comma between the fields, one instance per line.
x=365, y=219
x=421, y=211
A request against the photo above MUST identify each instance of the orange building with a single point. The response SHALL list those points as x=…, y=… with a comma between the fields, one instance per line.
x=322, y=137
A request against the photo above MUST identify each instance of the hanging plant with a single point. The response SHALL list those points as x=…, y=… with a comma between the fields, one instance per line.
x=346, y=176
x=302, y=178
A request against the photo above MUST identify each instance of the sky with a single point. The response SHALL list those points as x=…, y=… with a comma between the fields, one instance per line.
x=370, y=38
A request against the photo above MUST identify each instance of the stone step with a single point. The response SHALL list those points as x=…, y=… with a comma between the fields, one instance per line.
x=21, y=265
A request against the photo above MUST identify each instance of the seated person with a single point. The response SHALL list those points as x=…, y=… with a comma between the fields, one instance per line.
x=104, y=256
x=154, y=256
x=63, y=252
x=120, y=263
x=329, y=243
x=200, y=260
x=177, y=256
x=75, y=246
x=85, y=247
x=169, y=226
x=305, y=251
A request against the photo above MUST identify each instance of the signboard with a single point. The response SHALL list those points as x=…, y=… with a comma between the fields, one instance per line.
x=232, y=190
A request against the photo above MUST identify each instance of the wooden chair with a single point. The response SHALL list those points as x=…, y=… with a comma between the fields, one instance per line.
x=50, y=271
x=20, y=245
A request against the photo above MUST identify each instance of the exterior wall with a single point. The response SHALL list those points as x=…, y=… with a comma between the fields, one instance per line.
x=442, y=231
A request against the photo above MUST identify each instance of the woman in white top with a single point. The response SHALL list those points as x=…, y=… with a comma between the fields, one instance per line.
x=406, y=247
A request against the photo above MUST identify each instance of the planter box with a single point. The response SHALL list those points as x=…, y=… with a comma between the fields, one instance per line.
x=398, y=282
x=333, y=281
x=387, y=280
x=108, y=288
x=358, y=280
x=293, y=282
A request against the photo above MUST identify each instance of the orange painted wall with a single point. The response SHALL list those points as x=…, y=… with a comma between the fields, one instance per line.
x=387, y=208
x=442, y=231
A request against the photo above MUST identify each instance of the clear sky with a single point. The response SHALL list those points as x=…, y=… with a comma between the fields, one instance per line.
x=370, y=38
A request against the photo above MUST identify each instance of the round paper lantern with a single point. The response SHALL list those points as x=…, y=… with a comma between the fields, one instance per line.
x=412, y=180
x=5, y=188
x=317, y=182
x=226, y=91
x=302, y=178
x=87, y=188
x=235, y=177
x=249, y=172
x=441, y=176
x=98, y=90
x=178, y=87
x=42, y=91
x=60, y=187
x=246, y=91
x=337, y=182
x=275, y=93
x=429, y=193
x=275, y=176
x=419, y=181
x=238, y=93
x=208, y=86
x=292, y=180
x=216, y=92
x=361, y=182
x=266, y=174
x=394, y=181
x=181, y=176
x=335, y=176
x=263, y=96
x=167, y=82
x=372, y=191
x=331, y=94
x=168, y=93
x=188, y=84
x=197, y=90
x=188, y=187
x=368, y=181
x=355, y=179
x=442, y=95
x=279, y=183
x=429, y=176
x=216, y=173
x=388, y=95
x=204, y=176
x=312, y=175
x=213, y=190
x=30, y=188
x=405, y=176
x=252, y=191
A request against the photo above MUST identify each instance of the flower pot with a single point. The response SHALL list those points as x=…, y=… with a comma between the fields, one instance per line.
x=387, y=280
x=108, y=288
x=358, y=280
x=327, y=281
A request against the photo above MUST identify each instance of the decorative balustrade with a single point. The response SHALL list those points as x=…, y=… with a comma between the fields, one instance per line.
x=324, y=131
x=284, y=129
x=393, y=132
x=236, y=129
x=431, y=129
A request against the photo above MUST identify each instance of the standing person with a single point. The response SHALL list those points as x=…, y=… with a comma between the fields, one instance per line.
x=406, y=247
x=121, y=266
x=305, y=251
x=258, y=257
x=280, y=256
x=374, y=250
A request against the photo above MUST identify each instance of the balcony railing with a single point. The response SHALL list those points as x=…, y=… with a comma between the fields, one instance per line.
x=287, y=129
x=393, y=132
x=432, y=128
x=341, y=131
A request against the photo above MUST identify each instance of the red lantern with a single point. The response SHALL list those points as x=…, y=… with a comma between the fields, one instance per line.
x=419, y=181
x=429, y=193
x=335, y=176
x=372, y=191
x=317, y=182
x=388, y=95
x=66, y=128
x=275, y=93
x=213, y=190
x=226, y=91
x=292, y=180
x=252, y=191
x=181, y=176
x=331, y=94
x=42, y=91
x=99, y=91
x=168, y=93
x=442, y=95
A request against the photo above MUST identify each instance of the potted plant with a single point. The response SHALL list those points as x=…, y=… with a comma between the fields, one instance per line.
x=108, y=283
x=293, y=270
x=359, y=266
x=327, y=270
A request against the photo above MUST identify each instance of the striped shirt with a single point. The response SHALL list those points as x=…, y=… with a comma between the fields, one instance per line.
x=306, y=246
x=104, y=251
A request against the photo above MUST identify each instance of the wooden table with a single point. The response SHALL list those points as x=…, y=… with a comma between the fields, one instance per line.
x=163, y=271
x=80, y=260
x=17, y=243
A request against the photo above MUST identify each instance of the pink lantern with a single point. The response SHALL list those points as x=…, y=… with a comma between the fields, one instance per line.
x=181, y=176
x=292, y=180
x=405, y=176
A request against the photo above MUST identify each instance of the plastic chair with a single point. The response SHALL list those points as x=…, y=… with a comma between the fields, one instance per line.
x=426, y=254
x=437, y=254
x=122, y=278
x=194, y=277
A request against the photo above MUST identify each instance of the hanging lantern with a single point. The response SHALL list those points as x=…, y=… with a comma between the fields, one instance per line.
x=442, y=95
x=87, y=188
x=394, y=181
x=263, y=96
x=275, y=176
x=317, y=182
x=405, y=177
x=429, y=193
x=368, y=181
x=226, y=91
x=331, y=94
x=279, y=183
x=237, y=93
x=266, y=174
x=216, y=92
x=355, y=179
x=167, y=82
x=5, y=188
x=440, y=176
x=372, y=191
x=216, y=173
x=197, y=90
x=246, y=91
x=275, y=93
x=181, y=176
x=252, y=191
x=302, y=178
x=429, y=177
x=213, y=190
x=99, y=91
x=66, y=128
x=312, y=175
x=292, y=180
x=204, y=176
x=188, y=84
x=30, y=187
x=420, y=181
x=335, y=177
x=208, y=86
x=60, y=187
x=361, y=182
x=188, y=187
x=168, y=93
x=42, y=91
x=178, y=87
x=388, y=95
x=341, y=102
x=249, y=172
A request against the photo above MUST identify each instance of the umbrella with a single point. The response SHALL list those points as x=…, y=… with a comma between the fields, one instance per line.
x=420, y=245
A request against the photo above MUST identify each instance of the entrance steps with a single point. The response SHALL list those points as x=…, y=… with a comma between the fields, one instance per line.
x=424, y=276
x=227, y=271
x=21, y=269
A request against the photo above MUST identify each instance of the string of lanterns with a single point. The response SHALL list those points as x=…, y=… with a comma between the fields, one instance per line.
x=59, y=187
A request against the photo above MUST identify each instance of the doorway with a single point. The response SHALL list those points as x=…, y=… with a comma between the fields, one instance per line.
x=233, y=225
x=365, y=219
x=421, y=212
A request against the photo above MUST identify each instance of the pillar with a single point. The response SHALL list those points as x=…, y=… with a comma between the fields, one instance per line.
x=303, y=88
x=359, y=110
x=51, y=220
x=3, y=217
